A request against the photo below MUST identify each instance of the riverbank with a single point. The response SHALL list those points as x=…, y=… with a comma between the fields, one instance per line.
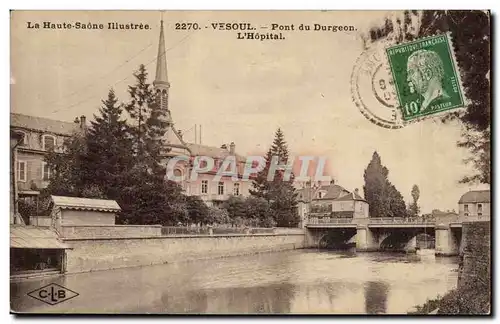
x=94, y=254
x=473, y=293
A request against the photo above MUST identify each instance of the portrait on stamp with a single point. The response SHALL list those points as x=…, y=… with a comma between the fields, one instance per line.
x=425, y=76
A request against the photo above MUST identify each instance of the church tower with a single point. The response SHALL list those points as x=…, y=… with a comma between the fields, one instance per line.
x=174, y=144
x=161, y=84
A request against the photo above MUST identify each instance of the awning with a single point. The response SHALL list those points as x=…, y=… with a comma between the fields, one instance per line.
x=33, y=237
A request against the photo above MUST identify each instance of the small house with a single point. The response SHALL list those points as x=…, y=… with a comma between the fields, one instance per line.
x=475, y=205
x=76, y=211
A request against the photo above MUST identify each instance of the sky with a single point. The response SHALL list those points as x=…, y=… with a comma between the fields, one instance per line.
x=240, y=91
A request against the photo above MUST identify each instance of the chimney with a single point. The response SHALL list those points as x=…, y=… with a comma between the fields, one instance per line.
x=356, y=191
x=223, y=146
x=77, y=120
x=232, y=147
x=83, y=122
x=332, y=181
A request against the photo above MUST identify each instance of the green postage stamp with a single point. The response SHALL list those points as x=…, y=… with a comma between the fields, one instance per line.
x=426, y=77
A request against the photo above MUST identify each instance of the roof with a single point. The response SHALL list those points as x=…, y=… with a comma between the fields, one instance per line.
x=349, y=197
x=211, y=151
x=476, y=196
x=43, y=124
x=85, y=203
x=33, y=237
x=333, y=191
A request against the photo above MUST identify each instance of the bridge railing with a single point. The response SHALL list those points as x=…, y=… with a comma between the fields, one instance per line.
x=330, y=220
x=388, y=220
x=401, y=220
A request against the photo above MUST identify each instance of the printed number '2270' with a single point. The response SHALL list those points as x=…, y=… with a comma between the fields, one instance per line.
x=187, y=26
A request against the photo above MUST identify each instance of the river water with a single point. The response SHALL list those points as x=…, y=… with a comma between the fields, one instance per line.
x=299, y=281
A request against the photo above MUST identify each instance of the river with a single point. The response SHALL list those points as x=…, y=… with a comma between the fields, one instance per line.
x=299, y=281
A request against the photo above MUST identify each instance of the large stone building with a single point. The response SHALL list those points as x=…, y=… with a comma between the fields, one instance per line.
x=330, y=202
x=38, y=136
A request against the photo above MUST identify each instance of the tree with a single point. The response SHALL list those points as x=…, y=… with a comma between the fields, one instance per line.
x=68, y=172
x=395, y=203
x=235, y=207
x=375, y=181
x=217, y=215
x=258, y=211
x=470, y=32
x=148, y=197
x=414, y=209
x=278, y=191
x=382, y=196
x=150, y=123
x=261, y=185
x=197, y=210
x=109, y=149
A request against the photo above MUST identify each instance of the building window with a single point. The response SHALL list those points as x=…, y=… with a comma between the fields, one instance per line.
x=220, y=188
x=48, y=142
x=21, y=171
x=320, y=195
x=24, y=138
x=236, y=189
x=45, y=172
x=466, y=208
x=204, y=186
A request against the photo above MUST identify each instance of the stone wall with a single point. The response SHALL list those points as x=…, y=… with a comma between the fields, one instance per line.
x=87, y=217
x=110, y=253
x=475, y=259
x=106, y=231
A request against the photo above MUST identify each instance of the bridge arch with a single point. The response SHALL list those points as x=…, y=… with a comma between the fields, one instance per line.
x=332, y=238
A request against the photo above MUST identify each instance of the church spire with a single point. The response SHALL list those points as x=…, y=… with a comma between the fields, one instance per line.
x=161, y=61
x=161, y=84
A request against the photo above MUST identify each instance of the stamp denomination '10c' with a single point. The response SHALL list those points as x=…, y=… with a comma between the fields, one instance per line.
x=425, y=76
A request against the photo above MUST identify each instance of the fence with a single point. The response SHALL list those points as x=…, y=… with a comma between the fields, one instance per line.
x=401, y=220
x=330, y=220
x=179, y=230
x=388, y=220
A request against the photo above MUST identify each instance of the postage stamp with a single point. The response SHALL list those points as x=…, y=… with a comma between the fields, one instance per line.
x=425, y=77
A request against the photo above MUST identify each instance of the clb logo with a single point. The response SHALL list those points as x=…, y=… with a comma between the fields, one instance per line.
x=53, y=294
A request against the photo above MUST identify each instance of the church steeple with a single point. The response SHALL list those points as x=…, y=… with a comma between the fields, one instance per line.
x=161, y=61
x=161, y=83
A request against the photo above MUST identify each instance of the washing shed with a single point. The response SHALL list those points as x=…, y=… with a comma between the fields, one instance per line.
x=35, y=251
x=74, y=211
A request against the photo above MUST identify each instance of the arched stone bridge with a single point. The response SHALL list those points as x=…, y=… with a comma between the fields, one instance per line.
x=374, y=234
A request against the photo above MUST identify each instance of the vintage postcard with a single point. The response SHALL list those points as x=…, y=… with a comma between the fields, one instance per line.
x=250, y=162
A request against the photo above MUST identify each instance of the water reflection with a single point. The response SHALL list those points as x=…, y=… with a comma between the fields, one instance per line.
x=285, y=282
x=376, y=297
